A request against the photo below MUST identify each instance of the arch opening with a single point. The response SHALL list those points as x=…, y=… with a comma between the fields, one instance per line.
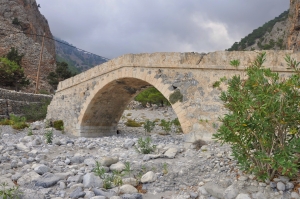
x=103, y=113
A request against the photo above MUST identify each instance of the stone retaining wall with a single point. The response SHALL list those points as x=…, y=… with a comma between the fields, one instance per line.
x=12, y=102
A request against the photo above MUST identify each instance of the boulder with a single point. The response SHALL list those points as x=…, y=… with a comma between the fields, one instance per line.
x=92, y=181
x=107, y=161
x=148, y=177
x=128, y=189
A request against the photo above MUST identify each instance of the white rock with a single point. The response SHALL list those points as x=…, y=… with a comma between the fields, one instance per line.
x=22, y=147
x=41, y=169
x=171, y=153
x=107, y=161
x=127, y=188
x=231, y=192
x=243, y=196
x=202, y=191
x=8, y=181
x=92, y=181
x=119, y=166
x=28, y=178
x=295, y=195
x=128, y=143
x=148, y=177
x=131, y=181
x=90, y=162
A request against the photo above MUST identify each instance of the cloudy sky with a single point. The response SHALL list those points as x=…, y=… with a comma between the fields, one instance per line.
x=111, y=28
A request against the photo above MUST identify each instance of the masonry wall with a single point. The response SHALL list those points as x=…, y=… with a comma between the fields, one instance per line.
x=12, y=102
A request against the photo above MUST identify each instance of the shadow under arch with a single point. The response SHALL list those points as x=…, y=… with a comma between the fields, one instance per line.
x=105, y=107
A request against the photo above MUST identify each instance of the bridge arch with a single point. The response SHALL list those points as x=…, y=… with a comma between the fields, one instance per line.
x=103, y=108
x=91, y=103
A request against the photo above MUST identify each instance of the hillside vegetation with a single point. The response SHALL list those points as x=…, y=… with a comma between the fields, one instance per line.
x=269, y=36
x=78, y=61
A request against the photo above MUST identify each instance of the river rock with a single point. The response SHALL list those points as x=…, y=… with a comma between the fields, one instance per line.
x=148, y=177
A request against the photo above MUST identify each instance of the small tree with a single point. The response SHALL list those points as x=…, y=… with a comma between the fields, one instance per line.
x=263, y=122
x=61, y=73
x=11, y=74
x=14, y=56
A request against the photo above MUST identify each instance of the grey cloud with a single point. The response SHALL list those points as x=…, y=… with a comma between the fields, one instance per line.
x=111, y=28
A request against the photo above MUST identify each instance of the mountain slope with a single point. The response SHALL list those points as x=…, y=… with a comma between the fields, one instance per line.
x=24, y=16
x=77, y=60
x=271, y=36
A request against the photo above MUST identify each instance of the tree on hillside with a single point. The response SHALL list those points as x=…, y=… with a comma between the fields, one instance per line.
x=11, y=74
x=61, y=73
x=14, y=56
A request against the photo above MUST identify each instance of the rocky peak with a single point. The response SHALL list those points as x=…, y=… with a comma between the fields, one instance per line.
x=24, y=16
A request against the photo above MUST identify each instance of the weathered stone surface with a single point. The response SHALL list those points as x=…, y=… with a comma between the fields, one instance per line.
x=127, y=188
x=105, y=193
x=107, y=161
x=119, y=166
x=28, y=178
x=231, y=192
x=41, y=169
x=171, y=152
x=214, y=189
x=148, y=177
x=123, y=77
x=77, y=193
x=47, y=180
x=91, y=181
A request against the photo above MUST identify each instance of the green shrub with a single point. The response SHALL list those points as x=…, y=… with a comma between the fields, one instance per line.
x=132, y=123
x=166, y=125
x=5, y=122
x=99, y=170
x=263, y=120
x=149, y=126
x=49, y=137
x=145, y=146
x=58, y=125
x=13, y=193
x=15, y=121
x=36, y=111
x=30, y=133
x=11, y=74
x=176, y=96
x=16, y=21
x=152, y=96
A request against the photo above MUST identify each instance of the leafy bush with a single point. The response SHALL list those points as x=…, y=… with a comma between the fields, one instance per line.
x=166, y=125
x=177, y=125
x=49, y=137
x=152, y=96
x=15, y=121
x=132, y=123
x=263, y=122
x=99, y=170
x=36, y=111
x=16, y=21
x=145, y=146
x=11, y=74
x=13, y=192
x=149, y=126
x=176, y=96
x=58, y=125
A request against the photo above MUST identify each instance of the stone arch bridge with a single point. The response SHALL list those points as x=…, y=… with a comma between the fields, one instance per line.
x=91, y=103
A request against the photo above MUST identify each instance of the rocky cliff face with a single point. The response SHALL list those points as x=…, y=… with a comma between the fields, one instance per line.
x=24, y=16
x=293, y=28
